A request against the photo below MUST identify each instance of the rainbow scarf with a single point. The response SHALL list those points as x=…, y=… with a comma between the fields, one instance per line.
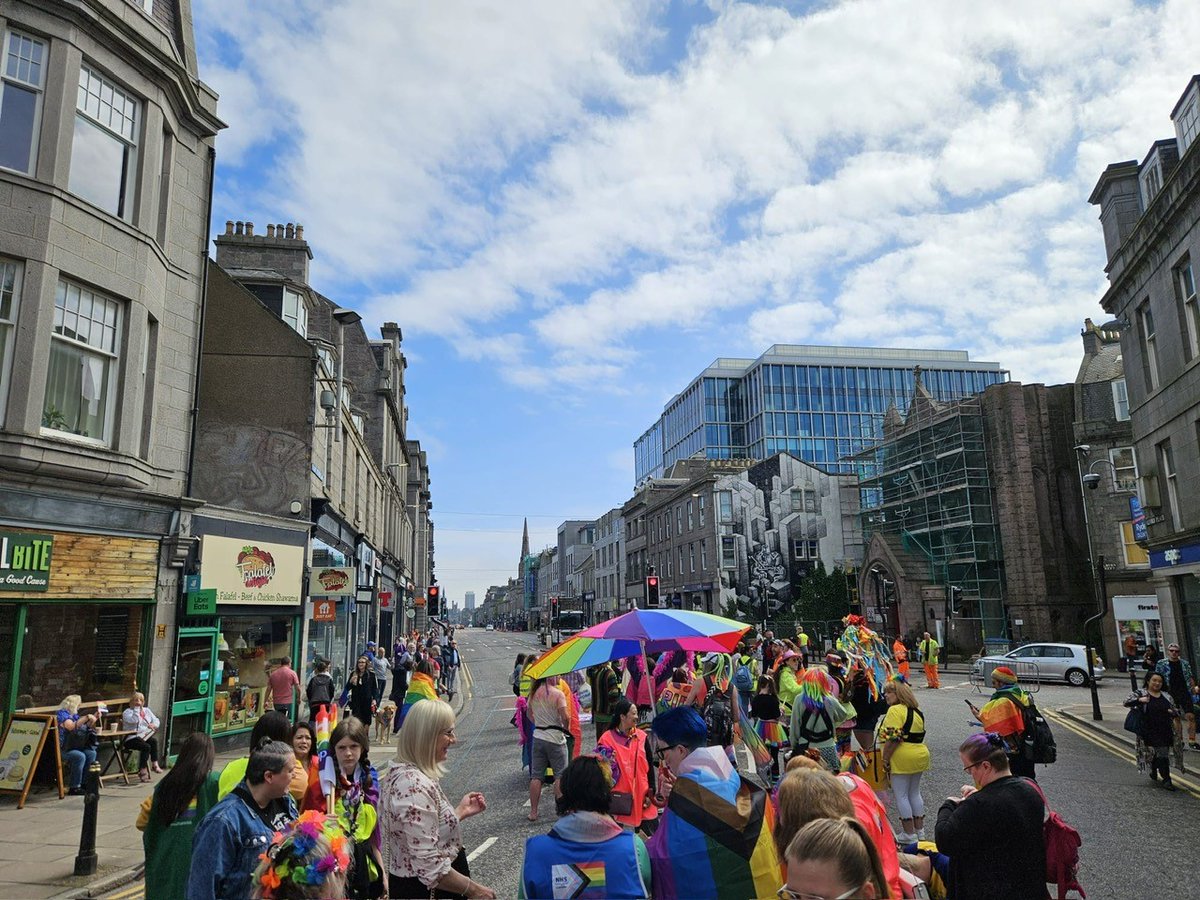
x=715, y=838
x=1002, y=714
x=421, y=687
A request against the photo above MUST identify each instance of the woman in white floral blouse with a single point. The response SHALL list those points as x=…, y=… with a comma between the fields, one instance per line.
x=425, y=854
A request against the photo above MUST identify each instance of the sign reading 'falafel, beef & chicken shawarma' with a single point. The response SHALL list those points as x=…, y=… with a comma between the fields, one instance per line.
x=249, y=571
x=24, y=561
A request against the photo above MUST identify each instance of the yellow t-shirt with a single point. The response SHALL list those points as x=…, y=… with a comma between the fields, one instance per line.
x=907, y=759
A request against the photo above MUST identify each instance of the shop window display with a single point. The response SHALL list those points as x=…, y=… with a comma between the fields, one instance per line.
x=81, y=649
x=246, y=648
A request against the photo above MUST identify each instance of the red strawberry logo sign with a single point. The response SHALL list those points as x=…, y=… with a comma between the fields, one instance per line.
x=257, y=566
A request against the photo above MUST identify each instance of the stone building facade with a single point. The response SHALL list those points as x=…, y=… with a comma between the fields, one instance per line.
x=106, y=172
x=610, y=565
x=1150, y=218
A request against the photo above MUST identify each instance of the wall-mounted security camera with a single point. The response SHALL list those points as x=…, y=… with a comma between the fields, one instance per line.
x=1092, y=480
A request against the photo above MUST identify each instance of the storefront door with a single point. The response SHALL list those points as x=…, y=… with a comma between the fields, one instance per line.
x=195, y=679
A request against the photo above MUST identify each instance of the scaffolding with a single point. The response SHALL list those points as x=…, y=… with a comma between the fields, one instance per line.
x=926, y=483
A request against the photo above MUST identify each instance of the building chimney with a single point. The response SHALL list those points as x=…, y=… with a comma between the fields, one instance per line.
x=249, y=229
x=281, y=250
x=1120, y=200
x=291, y=231
x=229, y=226
x=299, y=232
x=1091, y=340
x=240, y=228
x=270, y=231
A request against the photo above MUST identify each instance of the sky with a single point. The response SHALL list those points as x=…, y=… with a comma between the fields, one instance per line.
x=572, y=208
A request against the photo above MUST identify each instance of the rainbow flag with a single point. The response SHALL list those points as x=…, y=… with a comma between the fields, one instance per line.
x=420, y=687
x=715, y=839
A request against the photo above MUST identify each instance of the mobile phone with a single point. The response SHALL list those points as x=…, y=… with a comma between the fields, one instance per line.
x=967, y=700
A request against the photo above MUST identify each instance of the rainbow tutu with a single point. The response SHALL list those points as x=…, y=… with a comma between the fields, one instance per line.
x=771, y=731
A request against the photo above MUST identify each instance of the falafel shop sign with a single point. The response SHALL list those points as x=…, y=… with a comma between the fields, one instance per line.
x=250, y=571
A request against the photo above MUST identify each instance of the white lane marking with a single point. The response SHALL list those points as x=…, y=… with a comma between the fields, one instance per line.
x=525, y=804
x=481, y=848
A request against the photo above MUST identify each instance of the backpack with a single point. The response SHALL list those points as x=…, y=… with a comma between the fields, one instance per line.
x=1037, y=739
x=743, y=680
x=718, y=717
x=320, y=690
x=1062, y=850
x=807, y=735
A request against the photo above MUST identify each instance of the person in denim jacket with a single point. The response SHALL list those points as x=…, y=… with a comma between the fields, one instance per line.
x=239, y=829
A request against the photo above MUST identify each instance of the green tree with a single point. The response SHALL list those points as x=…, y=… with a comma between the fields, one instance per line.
x=822, y=596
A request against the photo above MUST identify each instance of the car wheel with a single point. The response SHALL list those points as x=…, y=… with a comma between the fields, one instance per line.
x=1077, y=677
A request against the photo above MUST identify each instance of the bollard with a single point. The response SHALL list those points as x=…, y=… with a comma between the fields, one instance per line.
x=85, y=861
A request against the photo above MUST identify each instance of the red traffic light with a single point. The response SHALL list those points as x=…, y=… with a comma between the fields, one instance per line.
x=433, y=592
x=652, y=581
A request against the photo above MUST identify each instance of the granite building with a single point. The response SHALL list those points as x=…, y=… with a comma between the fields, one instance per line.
x=106, y=170
x=1150, y=218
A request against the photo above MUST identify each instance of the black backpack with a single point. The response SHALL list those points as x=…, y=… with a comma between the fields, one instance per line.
x=718, y=716
x=1037, y=740
x=809, y=736
x=320, y=690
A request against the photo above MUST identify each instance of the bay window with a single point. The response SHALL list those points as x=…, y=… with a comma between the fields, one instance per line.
x=81, y=382
x=104, y=151
x=10, y=295
x=22, y=76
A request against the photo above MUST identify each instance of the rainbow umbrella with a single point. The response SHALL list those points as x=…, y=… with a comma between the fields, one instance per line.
x=637, y=633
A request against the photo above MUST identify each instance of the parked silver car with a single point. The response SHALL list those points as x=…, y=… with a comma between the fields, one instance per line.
x=1051, y=662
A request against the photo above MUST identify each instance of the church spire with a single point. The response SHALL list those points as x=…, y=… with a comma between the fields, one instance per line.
x=525, y=542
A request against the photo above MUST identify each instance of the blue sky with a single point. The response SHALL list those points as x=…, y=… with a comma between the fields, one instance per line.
x=572, y=208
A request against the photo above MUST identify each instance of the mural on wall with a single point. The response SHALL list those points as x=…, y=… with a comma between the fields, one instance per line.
x=252, y=467
x=785, y=517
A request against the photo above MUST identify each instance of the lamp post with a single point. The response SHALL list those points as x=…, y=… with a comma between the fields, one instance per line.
x=1090, y=481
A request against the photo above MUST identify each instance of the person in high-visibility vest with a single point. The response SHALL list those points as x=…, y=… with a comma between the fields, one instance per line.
x=929, y=653
x=900, y=652
x=802, y=640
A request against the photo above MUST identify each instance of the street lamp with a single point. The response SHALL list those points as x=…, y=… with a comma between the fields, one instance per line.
x=1089, y=481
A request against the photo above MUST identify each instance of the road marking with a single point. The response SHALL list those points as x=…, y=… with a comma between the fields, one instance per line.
x=130, y=893
x=481, y=848
x=1183, y=781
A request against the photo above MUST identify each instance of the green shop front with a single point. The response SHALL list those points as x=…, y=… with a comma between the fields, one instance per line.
x=76, y=612
x=242, y=616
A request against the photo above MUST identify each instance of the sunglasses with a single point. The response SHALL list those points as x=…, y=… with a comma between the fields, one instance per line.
x=786, y=893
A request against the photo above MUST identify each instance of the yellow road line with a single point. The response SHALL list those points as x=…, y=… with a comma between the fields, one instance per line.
x=1183, y=781
x=130, y=893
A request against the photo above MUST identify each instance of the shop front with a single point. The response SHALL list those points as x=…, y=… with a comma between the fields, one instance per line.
x=1138, y=624
x=243, y=616
x=76, y=613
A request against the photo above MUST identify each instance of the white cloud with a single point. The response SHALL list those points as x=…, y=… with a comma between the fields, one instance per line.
x=539, y=185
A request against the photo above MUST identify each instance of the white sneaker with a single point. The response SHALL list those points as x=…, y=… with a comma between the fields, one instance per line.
x=921, y=835
x=903, y=839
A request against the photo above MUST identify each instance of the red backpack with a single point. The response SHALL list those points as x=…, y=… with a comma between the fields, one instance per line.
x=1062, y=850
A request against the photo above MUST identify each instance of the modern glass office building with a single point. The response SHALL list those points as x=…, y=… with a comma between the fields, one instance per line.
x=820, y=404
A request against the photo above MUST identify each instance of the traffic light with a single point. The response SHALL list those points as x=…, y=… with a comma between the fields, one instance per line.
x=651, y=591
x=956, y=600
x=433, y=594
x=553, y=607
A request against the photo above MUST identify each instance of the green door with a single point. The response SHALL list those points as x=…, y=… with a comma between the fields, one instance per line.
x=195, y=683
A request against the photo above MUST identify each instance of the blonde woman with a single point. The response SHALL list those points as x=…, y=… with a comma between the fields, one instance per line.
x=77, y=740
x=421, y=829
x=834, y=858
x=906, y=756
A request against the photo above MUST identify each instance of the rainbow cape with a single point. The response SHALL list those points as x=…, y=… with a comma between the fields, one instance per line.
x=421, y=687
x=1002, y=714
x=715, y=839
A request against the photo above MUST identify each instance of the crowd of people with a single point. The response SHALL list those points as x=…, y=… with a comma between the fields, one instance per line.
x=652, y=803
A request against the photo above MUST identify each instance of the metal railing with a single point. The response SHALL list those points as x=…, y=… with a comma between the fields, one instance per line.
x=1027, y=674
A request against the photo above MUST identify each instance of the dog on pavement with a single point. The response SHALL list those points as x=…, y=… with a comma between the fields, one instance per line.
x=383, y=721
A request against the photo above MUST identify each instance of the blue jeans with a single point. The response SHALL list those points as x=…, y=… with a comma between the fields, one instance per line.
x=77, y=761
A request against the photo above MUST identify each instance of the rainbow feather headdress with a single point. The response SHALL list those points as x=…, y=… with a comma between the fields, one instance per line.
x=306, y=854
x=815, y=687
